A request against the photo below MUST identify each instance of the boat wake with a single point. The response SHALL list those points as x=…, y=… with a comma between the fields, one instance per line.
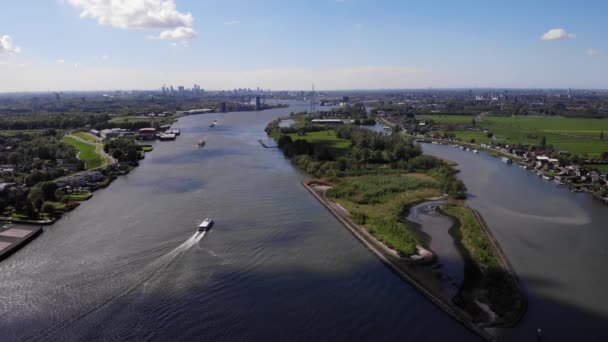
x=578, y=219
x=167, y=258
x=141, y=278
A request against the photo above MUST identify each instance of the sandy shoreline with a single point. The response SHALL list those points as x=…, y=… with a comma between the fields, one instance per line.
x=423, y=278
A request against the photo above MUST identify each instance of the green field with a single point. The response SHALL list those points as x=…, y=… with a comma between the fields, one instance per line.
x=600, y=167
x=86, y=136
x=87, y=152
x=565, y=134
x=327, y=138
x=79, y=196
x=379, y=202
x=447, y=119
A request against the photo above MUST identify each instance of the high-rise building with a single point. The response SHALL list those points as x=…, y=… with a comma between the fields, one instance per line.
x=258, y=105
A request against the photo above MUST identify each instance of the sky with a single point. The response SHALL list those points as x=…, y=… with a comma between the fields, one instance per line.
x=53, y=45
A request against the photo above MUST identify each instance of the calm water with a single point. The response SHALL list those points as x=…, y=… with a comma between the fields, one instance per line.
x=128, y=265
x=436, y=229
x=557, y=242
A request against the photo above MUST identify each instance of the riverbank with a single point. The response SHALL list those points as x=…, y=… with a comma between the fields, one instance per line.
x=411, y=269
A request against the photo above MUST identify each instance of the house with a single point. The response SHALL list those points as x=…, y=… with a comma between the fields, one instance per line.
x=108, y=133
x=147, y=133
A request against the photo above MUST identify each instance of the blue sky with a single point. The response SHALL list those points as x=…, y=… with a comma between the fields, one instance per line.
x=349, y=44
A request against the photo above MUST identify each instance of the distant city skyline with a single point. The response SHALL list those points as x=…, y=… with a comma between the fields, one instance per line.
x=63, y=45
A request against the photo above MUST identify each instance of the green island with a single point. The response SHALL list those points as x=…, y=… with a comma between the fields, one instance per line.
x=484, y=269
x=370, y=180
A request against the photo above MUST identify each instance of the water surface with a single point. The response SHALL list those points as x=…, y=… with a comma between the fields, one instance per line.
x=128, y=264
x=555, y=239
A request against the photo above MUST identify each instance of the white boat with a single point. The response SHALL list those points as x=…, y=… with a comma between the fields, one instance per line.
x=201, y=142
x=212, y=124
x=475, y=151
x=205, y=225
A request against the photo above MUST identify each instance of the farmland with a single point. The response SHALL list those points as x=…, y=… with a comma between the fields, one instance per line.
x=580, y=135
x=448, y=119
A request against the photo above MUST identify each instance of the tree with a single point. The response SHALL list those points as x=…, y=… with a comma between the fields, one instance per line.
x=59, y=195
x=14, y=158
x=342, y=163
x=117, y=154
x=132, y=155
x=36, y=197
x=602, y=136
x=284, y=140
x=48, y=190
x=48, y=208
x=543, y=141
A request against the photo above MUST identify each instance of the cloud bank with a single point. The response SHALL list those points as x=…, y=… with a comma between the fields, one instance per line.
x=139, y=14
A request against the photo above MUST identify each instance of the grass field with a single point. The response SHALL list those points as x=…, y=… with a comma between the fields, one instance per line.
x=565, y=134
x=378, y=202
x=87, y=152
x=602, y=167
x=86, y=136
x=80, y=196
x=447, y=119
x=327, y=138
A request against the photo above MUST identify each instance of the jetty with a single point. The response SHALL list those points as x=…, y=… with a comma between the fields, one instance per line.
x=14, y=237
x=264, y=144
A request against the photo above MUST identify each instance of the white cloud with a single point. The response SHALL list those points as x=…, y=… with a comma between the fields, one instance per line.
x=593, y=52
x=6, y=45
x=183, y=44
x=231, y=22
x=177, y=33
x=557, y=34
x=139, y=14
x=105, y=57
x=60, y=61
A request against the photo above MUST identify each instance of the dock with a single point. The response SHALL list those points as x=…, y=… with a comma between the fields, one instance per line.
x=13, y=237
x=264, y=144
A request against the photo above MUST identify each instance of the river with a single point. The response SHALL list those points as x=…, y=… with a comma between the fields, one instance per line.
x=128, y=265
x=555, y=239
